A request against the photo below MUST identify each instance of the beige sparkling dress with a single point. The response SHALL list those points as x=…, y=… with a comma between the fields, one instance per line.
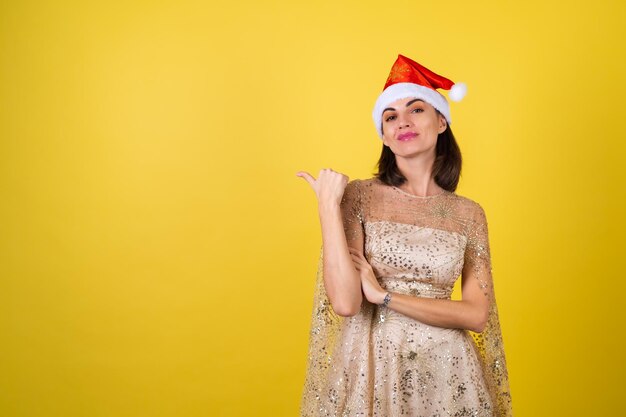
x=383, y=363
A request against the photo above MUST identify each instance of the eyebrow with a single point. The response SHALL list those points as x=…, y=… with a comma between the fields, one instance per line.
x=407, y=104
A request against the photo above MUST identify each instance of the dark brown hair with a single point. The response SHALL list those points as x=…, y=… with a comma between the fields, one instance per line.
x=446, y=168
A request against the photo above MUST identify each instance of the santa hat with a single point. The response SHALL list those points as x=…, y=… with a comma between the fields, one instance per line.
x=409, y=79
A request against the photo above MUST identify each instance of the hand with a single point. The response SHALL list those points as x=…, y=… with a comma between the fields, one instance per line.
x=372, y=290
x=328, y=187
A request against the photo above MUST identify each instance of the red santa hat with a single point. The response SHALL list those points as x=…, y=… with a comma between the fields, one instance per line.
x=410, y=79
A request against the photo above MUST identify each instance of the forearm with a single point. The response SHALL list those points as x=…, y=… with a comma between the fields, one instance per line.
x=453, y=314
x=341, y=279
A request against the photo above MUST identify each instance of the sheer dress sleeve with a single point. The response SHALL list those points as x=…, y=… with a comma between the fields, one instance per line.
x=325, y=324
x=489, y=342
x=352, y=214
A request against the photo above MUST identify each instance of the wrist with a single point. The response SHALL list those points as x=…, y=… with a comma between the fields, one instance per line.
x=385, y=298
x=329, y=207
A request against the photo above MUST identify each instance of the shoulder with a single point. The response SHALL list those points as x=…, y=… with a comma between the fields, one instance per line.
x=472, y=208
x=353, y=186
x=360, y=189
x=352, y=193
x=368, y=183
x=360, y=182
x=360, y=185
x=364, y=187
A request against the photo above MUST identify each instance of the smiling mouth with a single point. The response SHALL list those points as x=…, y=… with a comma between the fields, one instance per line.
x=407, y=136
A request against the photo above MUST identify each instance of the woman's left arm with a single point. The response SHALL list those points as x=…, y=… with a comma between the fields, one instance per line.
x=471, y=312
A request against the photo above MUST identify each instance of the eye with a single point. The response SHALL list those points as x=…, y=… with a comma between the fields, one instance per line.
x=417, y=110
x=390, y=118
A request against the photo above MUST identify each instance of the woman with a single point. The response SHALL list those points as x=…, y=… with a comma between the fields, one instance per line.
x=386, y=339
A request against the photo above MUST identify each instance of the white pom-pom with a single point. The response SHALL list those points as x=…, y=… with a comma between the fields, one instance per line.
x=457, y=92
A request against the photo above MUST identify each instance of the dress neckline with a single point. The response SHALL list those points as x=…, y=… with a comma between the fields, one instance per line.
x=442, y=192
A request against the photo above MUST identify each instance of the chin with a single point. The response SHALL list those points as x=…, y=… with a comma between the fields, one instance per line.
x=407, y=153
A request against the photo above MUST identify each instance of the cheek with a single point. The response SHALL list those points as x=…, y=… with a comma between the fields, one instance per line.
x=386, y=131
x=388, y=135
x=389, y=127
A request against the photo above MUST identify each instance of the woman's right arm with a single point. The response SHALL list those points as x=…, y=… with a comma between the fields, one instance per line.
x=338, y=215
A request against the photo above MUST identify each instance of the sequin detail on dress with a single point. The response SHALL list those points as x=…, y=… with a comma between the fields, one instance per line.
x=383, y=363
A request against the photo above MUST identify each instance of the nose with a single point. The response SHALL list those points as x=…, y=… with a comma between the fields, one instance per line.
x=402, y=123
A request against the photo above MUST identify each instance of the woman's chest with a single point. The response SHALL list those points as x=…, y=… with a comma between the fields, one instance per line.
x=405, y=250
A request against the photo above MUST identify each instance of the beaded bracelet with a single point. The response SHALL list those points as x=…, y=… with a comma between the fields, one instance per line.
x=387, y=299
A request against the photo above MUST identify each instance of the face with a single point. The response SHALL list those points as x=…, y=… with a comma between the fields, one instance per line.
x=411, y=127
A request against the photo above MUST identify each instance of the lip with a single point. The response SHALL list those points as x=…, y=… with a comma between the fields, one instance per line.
x=407, y=136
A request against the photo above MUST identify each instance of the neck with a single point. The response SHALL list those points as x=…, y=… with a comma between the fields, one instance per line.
x=418, y=173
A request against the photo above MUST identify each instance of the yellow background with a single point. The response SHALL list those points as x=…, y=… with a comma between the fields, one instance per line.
x=158, y=252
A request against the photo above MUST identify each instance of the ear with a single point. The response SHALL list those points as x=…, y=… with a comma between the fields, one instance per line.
x=443, y=124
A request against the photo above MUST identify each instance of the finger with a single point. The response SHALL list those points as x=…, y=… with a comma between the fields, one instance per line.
x=308, y=177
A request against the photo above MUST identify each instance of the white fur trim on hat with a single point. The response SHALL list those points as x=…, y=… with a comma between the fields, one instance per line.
x=404, y=90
